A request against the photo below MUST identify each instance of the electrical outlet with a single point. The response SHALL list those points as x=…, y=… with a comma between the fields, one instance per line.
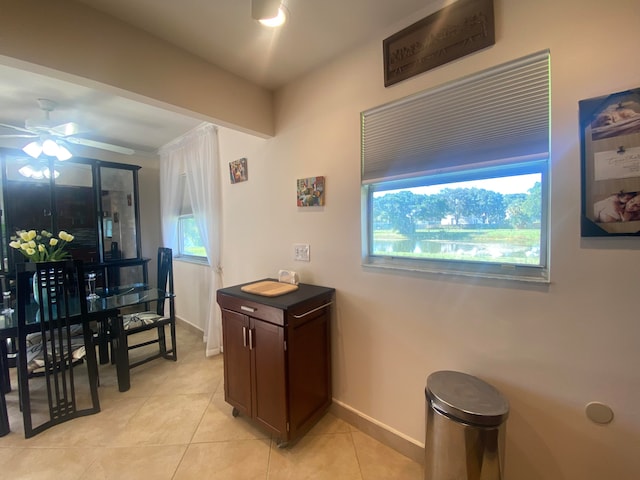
x=301, y=252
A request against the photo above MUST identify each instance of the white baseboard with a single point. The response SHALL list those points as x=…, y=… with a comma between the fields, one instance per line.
x=197, y=330
x=381, y=432
x=189, y=325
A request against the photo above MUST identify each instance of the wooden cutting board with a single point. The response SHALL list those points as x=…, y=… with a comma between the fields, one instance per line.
x=269, y=288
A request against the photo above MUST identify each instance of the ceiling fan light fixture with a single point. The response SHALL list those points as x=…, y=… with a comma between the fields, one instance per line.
x=63, y=153
x=33, y=149
x=50, y=148
x=58, y=137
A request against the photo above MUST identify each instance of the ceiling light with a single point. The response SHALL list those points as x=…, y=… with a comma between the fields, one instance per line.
x=63, y=153
x=48, y=146
x=276, y=21
x=34, y=149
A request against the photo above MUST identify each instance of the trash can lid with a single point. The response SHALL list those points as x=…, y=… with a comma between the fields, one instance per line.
x=466, y=398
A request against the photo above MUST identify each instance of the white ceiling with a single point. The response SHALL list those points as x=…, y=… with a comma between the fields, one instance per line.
x=219, y=31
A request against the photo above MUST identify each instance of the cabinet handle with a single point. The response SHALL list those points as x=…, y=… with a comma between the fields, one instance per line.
x=251, y=339
x=244, y=337
x=314, y=310
x=247, y=309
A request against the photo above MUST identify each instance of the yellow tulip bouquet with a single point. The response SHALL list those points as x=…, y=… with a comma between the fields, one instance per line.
x=43, y=246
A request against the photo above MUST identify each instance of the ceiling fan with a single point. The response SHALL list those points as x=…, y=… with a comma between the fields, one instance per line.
x=60, y=134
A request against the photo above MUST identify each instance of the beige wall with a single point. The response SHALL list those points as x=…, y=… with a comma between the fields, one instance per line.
x=550, y=350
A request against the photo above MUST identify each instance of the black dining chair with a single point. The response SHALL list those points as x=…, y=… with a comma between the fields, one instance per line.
x=53, y=335
x=154, y=320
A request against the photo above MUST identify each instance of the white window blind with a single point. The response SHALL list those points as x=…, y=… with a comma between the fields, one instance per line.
x=497, y=116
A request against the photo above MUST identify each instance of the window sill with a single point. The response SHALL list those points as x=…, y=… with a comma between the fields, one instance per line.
x=194, y=260
x=509, y=274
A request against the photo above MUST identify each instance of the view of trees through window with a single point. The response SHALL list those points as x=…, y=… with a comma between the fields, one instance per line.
x=190, y=240
x=490, y=220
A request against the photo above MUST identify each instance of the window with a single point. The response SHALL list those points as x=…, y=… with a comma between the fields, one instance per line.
x=189, y=240
x=455, y=179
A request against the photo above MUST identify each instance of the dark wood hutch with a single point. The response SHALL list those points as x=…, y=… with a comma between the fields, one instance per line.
x=94, y=200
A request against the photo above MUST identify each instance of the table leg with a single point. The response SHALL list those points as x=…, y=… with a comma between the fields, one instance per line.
x=103, y=342
x=5, y=387
x=4, y=416
x=121, y=353
x=5, y=381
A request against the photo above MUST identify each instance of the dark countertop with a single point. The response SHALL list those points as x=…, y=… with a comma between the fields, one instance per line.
x=304, y=293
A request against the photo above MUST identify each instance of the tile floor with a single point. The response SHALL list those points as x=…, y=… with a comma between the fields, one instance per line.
x=174, y=424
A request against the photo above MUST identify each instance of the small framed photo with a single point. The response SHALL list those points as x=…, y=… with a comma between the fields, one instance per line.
x=238, y=170
x=310, y=192
x=610, y=151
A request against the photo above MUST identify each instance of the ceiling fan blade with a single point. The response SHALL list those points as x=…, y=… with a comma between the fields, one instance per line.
x=14, y=127
x=66, y=129
x=104, y=146
x=18, y=135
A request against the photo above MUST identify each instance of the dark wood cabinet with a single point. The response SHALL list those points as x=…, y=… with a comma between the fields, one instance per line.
x=95, y=201
x=277, y=357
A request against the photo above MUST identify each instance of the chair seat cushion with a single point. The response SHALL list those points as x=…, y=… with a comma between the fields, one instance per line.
x=139, y=319
x=36, y=359
x=36, y=337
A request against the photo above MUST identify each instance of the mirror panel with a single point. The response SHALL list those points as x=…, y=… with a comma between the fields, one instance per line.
x=119, y=233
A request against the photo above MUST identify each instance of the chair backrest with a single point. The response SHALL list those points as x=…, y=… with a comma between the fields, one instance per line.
x=165, y=274
x=51, y=283
x=59, y=287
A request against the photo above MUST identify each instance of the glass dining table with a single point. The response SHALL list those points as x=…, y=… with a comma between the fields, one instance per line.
x=106, y=306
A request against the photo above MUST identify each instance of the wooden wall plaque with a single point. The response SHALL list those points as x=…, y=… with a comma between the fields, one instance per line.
x=452, y=32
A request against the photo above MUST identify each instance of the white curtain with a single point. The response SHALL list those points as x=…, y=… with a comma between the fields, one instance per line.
x=196, y=154
x=171, y=166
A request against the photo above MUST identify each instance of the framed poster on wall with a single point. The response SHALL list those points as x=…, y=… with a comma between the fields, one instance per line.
x=239, y=170
x=610, y=164
x=310, y=192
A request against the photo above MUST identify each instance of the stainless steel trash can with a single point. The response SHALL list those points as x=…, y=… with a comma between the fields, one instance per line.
x=466, y=428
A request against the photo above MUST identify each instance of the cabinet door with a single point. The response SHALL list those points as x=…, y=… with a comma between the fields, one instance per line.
x=309, y=367
x=237, y=361
x=269, y=384
x=75, y=209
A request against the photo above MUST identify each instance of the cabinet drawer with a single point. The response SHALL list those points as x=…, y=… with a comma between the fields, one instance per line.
x=309, y=310
x=253, y=309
